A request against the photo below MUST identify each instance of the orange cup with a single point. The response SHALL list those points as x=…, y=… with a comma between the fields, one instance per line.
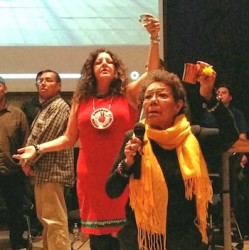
x=190, y=73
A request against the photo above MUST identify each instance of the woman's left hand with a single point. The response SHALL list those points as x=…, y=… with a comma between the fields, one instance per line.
x=152, y=26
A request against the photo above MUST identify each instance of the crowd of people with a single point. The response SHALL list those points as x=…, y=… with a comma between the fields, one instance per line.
x=118, y=175
x=103, y=100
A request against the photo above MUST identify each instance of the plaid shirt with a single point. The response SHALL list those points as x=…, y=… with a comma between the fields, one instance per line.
x=49, y=124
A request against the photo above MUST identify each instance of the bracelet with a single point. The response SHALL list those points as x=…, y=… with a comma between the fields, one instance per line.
x=212, y=105
x=122, y=169
x=37, y=148
x=212, y=109
x=155, y=40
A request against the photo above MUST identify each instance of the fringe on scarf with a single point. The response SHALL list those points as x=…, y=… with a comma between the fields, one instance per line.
x=151, y=241
x=201, y=188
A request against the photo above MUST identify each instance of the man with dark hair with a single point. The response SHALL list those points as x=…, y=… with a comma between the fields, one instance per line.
x=51, y=171
x=225, y=94
x=32, y=106
x=14, y=131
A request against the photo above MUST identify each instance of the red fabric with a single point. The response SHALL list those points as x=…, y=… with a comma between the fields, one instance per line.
x=98, y=151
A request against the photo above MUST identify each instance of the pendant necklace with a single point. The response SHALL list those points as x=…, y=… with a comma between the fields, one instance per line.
x=102, y=118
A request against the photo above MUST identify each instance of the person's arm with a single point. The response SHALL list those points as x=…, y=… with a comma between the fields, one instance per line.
x=17, y=136
x=241, y=123
x=118, y=179
x=242, y=128
x=68, y=139
x=224, y=117
x=132, y=89
x=63, y=142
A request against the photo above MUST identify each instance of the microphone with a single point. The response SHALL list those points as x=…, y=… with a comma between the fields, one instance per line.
x=139, y=130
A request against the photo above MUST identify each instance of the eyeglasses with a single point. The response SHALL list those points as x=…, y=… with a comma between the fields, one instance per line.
x=159, y=94
x=46, y=79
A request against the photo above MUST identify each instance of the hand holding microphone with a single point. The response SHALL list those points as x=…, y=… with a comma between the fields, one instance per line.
x=133, y=151
x=134, y=145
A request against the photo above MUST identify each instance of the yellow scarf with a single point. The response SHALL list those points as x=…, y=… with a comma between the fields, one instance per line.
x=149, y=194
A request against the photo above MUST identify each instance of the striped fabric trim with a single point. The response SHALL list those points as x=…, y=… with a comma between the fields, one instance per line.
x=103, y=224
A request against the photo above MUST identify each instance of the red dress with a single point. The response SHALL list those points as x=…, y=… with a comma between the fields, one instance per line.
x=98, y=151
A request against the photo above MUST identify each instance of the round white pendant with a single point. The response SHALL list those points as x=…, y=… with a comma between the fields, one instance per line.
x=102, y=118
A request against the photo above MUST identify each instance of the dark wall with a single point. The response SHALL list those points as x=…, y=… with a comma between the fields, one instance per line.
x=215, y=31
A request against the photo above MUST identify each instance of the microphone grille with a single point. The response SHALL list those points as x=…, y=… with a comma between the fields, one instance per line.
x=139, y=129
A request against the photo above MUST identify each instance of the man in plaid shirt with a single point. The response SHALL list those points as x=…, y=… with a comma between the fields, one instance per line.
x=51, y=171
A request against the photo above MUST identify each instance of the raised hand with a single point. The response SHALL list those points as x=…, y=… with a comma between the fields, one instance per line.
x=206, y=77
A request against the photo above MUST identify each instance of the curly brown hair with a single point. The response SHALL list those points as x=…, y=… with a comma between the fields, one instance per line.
x=87, y=84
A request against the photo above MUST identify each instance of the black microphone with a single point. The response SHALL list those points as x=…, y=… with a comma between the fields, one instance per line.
x=139, y=130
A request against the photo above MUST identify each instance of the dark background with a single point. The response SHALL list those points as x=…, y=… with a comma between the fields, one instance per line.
x=215, y=31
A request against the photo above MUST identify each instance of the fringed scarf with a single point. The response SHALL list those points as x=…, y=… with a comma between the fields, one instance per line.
x=149, y=194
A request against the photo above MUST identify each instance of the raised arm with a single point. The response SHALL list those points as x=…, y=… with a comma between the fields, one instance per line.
x=224, y=117
x=133, y=89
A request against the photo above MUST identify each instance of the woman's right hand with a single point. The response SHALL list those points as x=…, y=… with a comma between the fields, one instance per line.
x=132, y=147
x=25, y=153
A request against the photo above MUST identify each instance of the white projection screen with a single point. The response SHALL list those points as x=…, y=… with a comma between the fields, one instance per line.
x=59, y=35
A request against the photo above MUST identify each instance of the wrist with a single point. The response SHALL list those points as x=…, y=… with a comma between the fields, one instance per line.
x=123, y=169
x=155, y=40
x=128, y=163
x=207, y=92
x=37, y=148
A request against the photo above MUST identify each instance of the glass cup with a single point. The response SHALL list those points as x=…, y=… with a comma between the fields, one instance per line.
x=190, y=73
x=143, y=18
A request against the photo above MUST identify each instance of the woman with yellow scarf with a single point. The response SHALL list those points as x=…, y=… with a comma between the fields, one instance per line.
x=167, y=175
